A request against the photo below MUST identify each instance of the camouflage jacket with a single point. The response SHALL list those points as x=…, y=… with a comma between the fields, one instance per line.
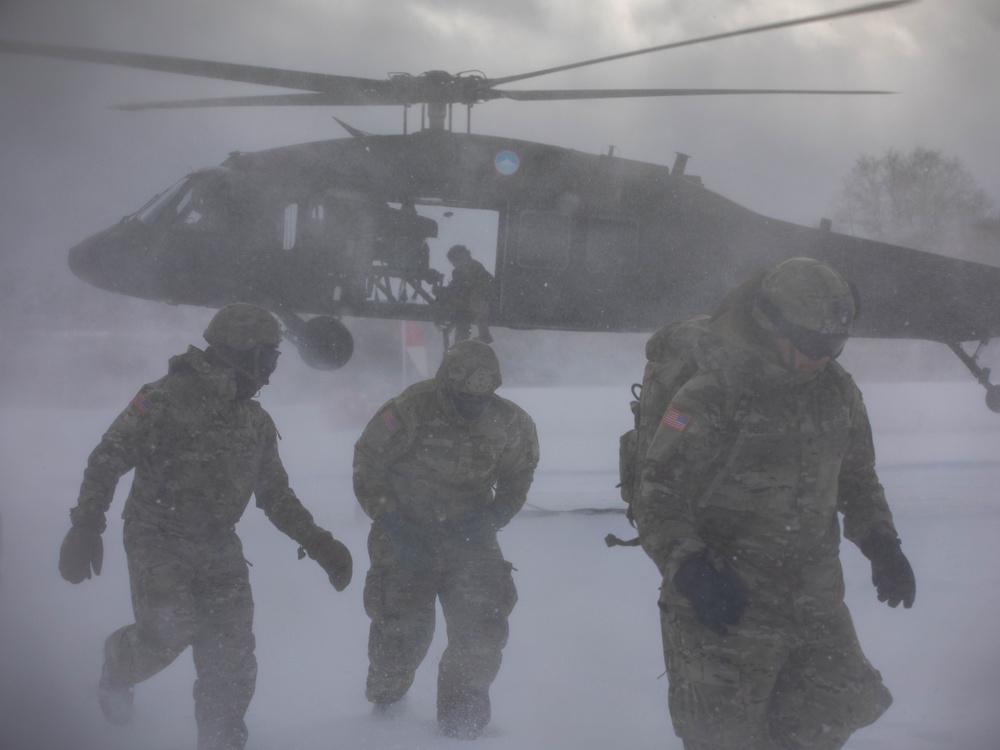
x=198, y=455
x=753, y=464
x=419, y=457
x=469, y=278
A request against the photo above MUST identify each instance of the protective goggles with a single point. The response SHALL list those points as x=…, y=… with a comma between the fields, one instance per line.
x=257, y=362
x=267, y=358
x=813, y=344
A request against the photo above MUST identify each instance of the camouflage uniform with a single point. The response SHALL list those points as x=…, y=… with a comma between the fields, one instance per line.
x=468, y=294
x=422, y=466
x=752, y=463
x=198, y=455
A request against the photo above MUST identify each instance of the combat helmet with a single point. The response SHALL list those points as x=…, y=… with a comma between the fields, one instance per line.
x=468, y=376
x=457, y=252
x=243, y=327
x=810, y=304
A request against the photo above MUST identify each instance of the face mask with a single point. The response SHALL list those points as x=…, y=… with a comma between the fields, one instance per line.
x=267, y=361
x=253, y=368
x=469, y=407
x=802, y=367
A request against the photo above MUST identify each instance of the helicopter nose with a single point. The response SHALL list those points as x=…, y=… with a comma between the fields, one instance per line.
x=85, y=258
x=101, y=260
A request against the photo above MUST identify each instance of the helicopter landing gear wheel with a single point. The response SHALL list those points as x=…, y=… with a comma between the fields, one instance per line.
x=982, y=374
x=325, y=343
x=993, y=398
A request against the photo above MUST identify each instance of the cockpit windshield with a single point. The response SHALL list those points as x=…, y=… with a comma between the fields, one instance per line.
x=149, y=213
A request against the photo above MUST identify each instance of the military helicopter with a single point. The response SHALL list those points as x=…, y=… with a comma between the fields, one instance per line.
x=585, y=242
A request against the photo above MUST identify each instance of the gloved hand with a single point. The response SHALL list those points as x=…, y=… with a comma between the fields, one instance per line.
x=480, y=527
x=891, y=572
x=82, y=551
x=409, y=543
x=718, y=597
x=333, y=557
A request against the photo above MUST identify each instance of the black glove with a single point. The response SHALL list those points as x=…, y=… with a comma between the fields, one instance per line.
x=409, y=543
x=891, y=571
x=333, y=557
x=718, y=597
x=82, y=551
x=479, y=528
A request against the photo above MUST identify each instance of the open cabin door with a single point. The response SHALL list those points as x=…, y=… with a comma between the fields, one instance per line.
x=335, y=248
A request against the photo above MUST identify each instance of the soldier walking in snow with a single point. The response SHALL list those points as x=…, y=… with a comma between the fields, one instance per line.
x=738, y=506
x=439, y=469
x=200, y=446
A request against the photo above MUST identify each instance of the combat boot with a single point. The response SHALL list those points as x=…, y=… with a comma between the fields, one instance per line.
x=464, y=714
x=389, y=711
x=115, y=699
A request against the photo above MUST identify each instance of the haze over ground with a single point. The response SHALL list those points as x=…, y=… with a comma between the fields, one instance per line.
x=74, y=355
x=582, y=665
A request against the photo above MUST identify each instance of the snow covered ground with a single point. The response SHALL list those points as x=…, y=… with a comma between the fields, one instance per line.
x=583, y=666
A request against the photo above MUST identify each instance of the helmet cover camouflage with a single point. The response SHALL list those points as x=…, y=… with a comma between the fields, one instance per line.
x=470, y=368
x=808, y=302
x=810, y=294
x=243, y=327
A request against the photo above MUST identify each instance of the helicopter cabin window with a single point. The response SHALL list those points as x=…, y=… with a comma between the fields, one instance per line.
x=543, y=240
x=313, y=228
x=612, y=246
x=291, y=226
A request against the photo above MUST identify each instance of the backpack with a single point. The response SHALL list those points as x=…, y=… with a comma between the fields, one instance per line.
x=671, y=362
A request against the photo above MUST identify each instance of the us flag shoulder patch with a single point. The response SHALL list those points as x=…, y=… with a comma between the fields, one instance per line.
x=141, y=403
x=388, y=418
x=675, y=420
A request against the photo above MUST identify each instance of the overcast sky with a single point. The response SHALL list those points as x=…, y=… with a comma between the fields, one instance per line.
x=70, y=166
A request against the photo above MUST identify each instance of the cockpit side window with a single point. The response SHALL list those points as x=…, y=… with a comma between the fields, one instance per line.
x=206, y=207
x=200, y=202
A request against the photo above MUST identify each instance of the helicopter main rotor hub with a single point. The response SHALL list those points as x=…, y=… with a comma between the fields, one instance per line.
x=442, y=87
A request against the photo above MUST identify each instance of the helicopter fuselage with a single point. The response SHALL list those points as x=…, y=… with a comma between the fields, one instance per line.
x=584, y=242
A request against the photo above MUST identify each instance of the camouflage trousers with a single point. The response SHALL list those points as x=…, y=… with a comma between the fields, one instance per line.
x=767, y=684
x=477, y=595
x=191, y=593
x=475, y=312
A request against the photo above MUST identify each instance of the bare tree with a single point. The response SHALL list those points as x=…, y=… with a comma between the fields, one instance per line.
x=920, y=199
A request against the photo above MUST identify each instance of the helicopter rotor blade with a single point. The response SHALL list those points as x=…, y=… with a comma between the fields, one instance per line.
x=362, y=90
x=327, y=100
x=570, y=94
x=857, y=10
x=400, y=89
x=265, y=100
